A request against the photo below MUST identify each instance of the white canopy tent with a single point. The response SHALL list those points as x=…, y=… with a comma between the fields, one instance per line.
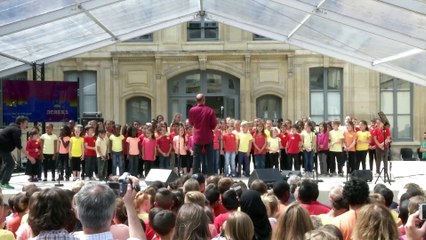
x=388, y=36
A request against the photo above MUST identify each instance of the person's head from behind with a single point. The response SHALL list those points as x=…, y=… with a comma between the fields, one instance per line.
x=260, y=186
x=387, y=196
x=338, y=202
x=403, y=211
x=356, y=192
x=195, y=197
x=164, y=199
x=95, y=205
x=120, y=216
x=271, y=204
x=319, y=234
x=212, y=195
x=20, y=203
x=333, y=230
x=191, y=185
x=413, y=204
x=375, y=222
x=50, y=209
x=239, y=227
x=294, y=215
x=307, y=191
x=376, y=198
x=163, y=223
x=230, y=200
x=201, y=181
x=224, y=184
x=191, y=223
x=282, y=191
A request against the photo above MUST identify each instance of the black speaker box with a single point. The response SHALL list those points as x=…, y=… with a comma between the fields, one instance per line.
x=287, y=173
x=365, y=175
x=268, y=175
x=163, y=175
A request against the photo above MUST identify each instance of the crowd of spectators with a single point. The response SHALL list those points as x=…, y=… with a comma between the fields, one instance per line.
x=218, y=208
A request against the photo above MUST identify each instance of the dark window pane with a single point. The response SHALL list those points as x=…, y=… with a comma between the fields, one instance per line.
x=194, y=34
x=210, y=33
x=316, y=78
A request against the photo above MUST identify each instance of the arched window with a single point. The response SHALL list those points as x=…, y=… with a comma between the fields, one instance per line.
x=222, y=92
x=268, y=107
x=138, y=108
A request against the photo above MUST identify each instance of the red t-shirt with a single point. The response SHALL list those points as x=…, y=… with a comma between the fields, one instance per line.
x=283, y=137
x=91, y=142
x=293, y=141
x=33, y=148
x=148, y=148
x=164, y=143
x=316, y=208
x=372, y=143
x=217, y=134
x=219, y=220
x=381, y=134
x=259, y=140
x=229, y=142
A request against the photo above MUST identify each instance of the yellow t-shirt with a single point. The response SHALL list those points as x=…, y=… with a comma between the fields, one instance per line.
x=274, y=144
x=48, y=143
x=336, y=137
x=77, y=146
x=362, y=136
x=117, y=143
x=243, y=141
x=308, y=139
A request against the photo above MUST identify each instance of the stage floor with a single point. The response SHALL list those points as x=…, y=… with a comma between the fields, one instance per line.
x=402, y=172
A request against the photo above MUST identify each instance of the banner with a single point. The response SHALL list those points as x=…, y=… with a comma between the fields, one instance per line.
x=47, y=101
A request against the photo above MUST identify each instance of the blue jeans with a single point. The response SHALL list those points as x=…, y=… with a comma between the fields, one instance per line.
x=259, y=161
x=230, y=162
x=308, y=158
x=117, y=160
x=216, y=160
x=164, y=162
x=244, y=159
x=207, y=160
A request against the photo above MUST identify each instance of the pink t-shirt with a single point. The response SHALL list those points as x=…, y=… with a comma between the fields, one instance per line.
x=148, y=146
x=133, y=145
x=62, y=149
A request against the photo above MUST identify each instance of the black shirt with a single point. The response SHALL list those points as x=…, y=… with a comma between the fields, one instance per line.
x=10, y=137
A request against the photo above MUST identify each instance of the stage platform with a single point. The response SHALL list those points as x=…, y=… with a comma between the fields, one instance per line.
x=402, y=172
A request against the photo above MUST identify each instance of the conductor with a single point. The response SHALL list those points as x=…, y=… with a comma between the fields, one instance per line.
x=203, y=119
x=10, y=138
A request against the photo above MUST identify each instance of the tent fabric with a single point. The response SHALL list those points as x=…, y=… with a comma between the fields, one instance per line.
x=388, y=36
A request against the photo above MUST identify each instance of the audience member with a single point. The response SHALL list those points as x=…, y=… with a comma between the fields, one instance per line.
x=282, y=192
x=259, y=186
x=231, y=204
x=271, y=204
x=294, y=215
x=307, y=194
x=191, y=223
x=253, y=206
x=375, y=222
x=50, y=213
x=356, y=192
x=4, y=234
x=239, y=227
x=191, y=185
x=195, y=197
x=163, y=224
x=164, y=199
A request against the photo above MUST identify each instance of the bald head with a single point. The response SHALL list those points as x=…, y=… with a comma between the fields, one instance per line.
x=200, y=98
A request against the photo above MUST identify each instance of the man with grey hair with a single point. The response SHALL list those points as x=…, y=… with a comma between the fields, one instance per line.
x=95, y=208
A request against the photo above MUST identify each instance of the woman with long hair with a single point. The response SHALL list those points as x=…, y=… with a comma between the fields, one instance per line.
x=294, y=215
x=191, y=223
x=375, y=222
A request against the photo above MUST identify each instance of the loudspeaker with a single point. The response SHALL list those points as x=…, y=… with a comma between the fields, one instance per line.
x=365, y=175
x=86, y=120
x=163, y=175
x=287, y=173
x=268, y=175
